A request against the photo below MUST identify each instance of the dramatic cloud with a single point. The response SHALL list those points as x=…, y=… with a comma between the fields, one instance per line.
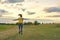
x=23, y=10
x=30, y=13
x=52, y=9
x=54, y=16
x=14, y=1
x=2, y=11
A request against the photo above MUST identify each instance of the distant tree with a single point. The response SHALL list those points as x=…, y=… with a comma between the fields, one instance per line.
x=42, y=23
x=36, y=23
x=28, y=23
x=25, y=23
x=16, y=23
x=53, y=23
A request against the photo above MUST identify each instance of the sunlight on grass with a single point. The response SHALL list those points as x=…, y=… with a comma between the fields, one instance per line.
x=38, y=32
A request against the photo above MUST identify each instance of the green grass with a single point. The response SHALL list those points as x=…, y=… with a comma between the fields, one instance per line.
x=5, y=27
x=38, y=32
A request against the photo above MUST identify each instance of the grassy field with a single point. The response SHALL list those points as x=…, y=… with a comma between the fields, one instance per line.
x=32, y=32
x=5, y=27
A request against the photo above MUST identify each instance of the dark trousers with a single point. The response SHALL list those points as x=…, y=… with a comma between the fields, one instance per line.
x=20, y=26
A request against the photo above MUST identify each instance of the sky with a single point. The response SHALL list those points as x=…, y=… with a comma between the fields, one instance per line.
x=46, y=10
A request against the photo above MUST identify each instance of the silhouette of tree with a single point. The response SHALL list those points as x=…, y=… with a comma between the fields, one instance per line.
x=36, y=23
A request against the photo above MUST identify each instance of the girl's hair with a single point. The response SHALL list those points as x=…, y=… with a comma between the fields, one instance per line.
x=20, y=15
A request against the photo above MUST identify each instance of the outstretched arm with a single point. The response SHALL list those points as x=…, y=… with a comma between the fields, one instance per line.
x=15, y=19
x=22, y=19
x=25, y=18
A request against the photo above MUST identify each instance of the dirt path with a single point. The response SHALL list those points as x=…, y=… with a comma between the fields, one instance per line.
x=8, y=33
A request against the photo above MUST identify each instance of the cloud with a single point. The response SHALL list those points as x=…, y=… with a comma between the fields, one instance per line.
x=52, y=9
x=30, y=13
x=14, y=1
x=2, y=11
x=54, y=16
x=0, y=15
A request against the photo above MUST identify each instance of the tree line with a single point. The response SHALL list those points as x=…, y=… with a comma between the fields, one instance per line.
x=28, y=23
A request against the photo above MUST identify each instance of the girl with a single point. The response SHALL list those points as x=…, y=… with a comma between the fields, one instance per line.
x=20, y=23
